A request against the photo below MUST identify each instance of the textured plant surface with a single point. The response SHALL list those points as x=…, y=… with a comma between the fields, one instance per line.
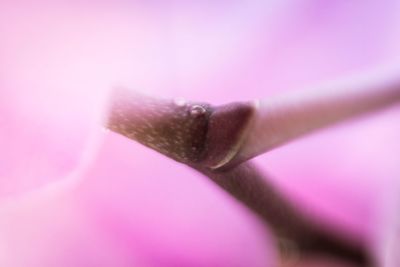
x=197, y=134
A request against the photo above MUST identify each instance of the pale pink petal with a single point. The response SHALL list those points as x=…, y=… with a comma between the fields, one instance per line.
x=148, y=210
x=51, y=95
x=128, y=212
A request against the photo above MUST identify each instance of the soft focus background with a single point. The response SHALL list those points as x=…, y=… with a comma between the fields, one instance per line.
x=72, y=194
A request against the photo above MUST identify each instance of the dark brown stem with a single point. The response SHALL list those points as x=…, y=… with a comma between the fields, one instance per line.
x=251, y=187
x=206, y=138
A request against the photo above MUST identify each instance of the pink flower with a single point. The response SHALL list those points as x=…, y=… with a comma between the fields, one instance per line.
x=72, y=194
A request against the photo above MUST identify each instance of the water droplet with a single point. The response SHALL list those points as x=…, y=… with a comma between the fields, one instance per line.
x=197, y=110
x=180, y=102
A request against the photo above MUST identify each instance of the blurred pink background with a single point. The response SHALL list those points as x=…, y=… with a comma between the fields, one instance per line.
x=72, y=194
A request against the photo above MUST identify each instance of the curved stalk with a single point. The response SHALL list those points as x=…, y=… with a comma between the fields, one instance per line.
x=215, y=140
x=282, y=119
x=299, y=237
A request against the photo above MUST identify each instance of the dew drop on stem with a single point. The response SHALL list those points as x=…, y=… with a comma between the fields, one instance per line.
x=197, y=110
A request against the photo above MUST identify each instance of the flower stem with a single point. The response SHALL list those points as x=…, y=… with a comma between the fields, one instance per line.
x=217, y=141
x=306, y=237
x=280, y=120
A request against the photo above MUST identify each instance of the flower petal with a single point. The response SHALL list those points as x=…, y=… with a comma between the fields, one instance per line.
x=127, y=212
